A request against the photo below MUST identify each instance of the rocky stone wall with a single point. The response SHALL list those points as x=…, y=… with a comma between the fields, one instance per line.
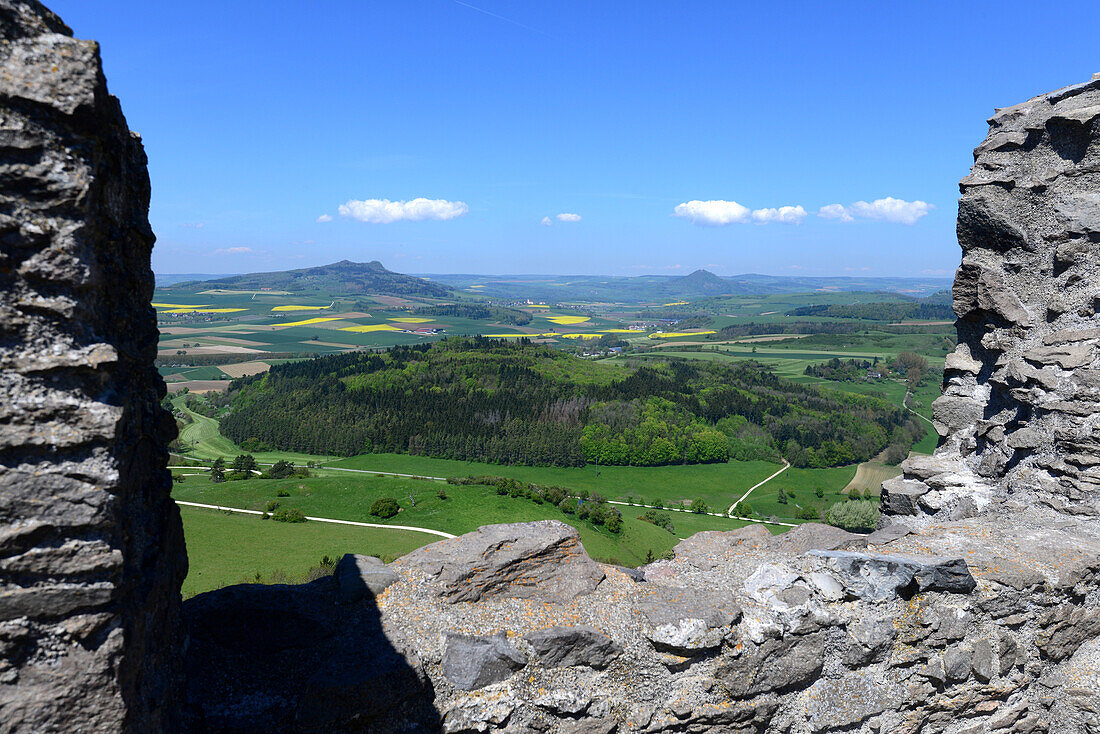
x=91, y=547
x=1021, y=392
x=974, y=610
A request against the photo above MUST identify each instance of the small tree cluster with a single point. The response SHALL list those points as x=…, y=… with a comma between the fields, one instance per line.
x=586, y=506
x=660, y=519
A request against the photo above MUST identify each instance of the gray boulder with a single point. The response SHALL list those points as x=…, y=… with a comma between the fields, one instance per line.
x=1066, y=628
x=470, y=663
x=542, y=559
x=776, y=664
x=357, y=575
x=900, y=496
x=561, y=647
x=687, y=621
x=881, y=577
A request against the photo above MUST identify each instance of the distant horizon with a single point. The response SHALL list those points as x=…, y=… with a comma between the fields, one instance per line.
x=428, y=274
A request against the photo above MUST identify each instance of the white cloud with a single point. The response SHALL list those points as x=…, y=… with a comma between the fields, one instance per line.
x=324, y=218
x=834, y=211
x=889, y=209
x=567, y=217
x=547, y=222
x=384, y=211
x=717, y=213
x=234, y=251
x=784, y=214
x=892, y=210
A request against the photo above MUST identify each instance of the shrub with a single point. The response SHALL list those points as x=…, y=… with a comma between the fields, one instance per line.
x=807, y=513
x=441, y=493
x=385, y=507
x=781, y=498
x=281, y=470
x=568, y=506
x=855, y=515
x=614, y=523
x=699, y=506
x=283, y=493
x=660, y=519
x=288, y=514
x=819, y=492
x=272, y=506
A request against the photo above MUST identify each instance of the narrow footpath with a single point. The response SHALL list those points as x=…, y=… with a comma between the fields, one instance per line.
x=411, y=528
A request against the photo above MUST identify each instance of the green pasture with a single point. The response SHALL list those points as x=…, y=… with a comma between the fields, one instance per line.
x=464, y=509
x=225, y=548
x=717, y=484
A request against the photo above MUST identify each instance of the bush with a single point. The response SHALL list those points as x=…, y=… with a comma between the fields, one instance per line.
x=385, y=507
x=660, y=519
x=288, y=514
x=807, y=513
x=819, y=492
x=781, y=498
x=568, y=506
x=283, y=493
x=442, y=493
x=272, y=506
x=856, y=515
x=699, y=506
x=281, y=470
x=614, y=523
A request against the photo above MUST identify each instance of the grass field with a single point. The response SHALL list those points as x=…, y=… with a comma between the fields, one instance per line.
x=718, y=484
x=224, y=549
x=800, y=485
x=465, y=508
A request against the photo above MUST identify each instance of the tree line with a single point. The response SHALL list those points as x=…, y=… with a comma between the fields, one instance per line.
x=479, y=399
x=890, y=311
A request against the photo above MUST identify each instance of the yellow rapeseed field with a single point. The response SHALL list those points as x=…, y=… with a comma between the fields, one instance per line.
x=307, y=322
x=193, y=309
x=567, y=320
x=677, y=303
x=300, y=308
x=671, y=334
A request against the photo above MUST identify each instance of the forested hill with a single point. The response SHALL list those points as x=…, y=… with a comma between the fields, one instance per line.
x=342, y=278
x=521, y=403
x=880, y=311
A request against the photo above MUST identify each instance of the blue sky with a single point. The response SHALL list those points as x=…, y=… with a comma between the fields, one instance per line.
x=675, y=131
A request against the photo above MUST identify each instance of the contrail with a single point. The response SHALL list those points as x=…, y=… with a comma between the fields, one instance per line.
x=498, y=17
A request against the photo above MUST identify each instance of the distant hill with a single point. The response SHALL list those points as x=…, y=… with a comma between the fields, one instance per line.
x=661, y=288
x=701, y=283
x=166, y=279
x=343, y=278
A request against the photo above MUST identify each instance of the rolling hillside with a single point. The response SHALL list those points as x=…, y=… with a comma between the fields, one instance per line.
x=344, y=277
